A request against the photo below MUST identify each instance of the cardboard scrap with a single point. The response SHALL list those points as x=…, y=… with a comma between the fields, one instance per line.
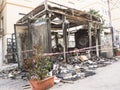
x=83, y=58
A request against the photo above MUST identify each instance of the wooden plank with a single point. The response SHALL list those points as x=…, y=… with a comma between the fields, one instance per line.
x=69, y=16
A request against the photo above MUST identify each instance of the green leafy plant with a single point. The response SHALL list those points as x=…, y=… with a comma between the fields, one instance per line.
x=40, y=66
x=94, y=12
x=98, y=16
x=116, y=50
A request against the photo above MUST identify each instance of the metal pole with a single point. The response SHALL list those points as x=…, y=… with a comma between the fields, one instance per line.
x=112, y=39
x=110, y=23
x=109, y=13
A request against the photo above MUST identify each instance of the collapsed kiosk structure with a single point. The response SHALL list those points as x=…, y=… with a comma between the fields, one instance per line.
x=52, y=24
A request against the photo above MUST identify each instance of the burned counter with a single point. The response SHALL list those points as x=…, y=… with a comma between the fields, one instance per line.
x=56, y=28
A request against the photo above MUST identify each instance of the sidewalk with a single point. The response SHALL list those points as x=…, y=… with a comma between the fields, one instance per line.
x=11, y=84
x=8, y=84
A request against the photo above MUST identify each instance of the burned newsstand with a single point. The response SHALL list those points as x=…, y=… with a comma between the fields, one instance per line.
x=57, y=28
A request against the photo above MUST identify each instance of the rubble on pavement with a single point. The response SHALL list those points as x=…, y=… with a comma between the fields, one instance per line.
x=78, y=67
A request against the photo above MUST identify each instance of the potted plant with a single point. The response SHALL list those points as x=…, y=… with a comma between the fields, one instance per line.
x=117, y=52
x=38, y=70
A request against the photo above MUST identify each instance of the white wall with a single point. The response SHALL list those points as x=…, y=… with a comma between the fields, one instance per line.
x=115, y=13
x=13, y=16
x=116, y=18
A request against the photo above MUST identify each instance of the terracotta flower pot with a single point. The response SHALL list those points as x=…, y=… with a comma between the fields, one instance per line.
x=43, y=84
x=117, y=53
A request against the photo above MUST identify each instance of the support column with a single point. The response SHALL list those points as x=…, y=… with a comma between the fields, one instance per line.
x=112, y=32
x=17, y=49
x=64, y=26
x=29, y=39
x=99, y=41
x=89, y=33
x=49, y=32
x=97, y=47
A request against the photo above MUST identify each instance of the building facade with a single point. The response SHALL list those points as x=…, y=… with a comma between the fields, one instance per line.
x=115, y=20
x=10, y=12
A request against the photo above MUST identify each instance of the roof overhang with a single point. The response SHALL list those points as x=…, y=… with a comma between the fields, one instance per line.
x=74, y=17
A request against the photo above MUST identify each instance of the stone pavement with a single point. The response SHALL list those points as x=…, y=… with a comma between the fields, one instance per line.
x=9, y=84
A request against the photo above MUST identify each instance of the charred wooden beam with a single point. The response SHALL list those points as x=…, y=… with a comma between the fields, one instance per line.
x=89, y=33
x=70, y=16
x=37, y=10
x=59, y=26
x=64, y=26
x=49, y=32
x=29, y=38
x=99, y=41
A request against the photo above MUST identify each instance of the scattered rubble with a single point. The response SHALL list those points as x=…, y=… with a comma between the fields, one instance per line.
x=79, y=67
x=76, y=68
